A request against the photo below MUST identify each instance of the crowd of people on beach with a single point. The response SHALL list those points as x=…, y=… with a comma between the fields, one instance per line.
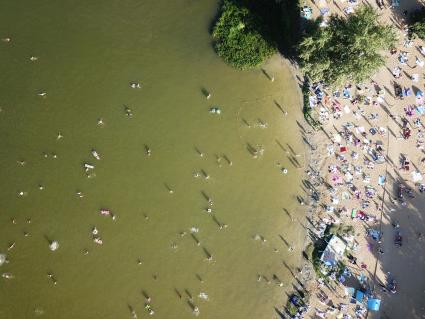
x=367, y=130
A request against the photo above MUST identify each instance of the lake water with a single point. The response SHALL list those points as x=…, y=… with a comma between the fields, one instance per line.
x=88, y=54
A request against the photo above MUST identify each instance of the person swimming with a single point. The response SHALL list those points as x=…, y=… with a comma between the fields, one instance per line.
x=148, y=150
x=128, y=111
x=94, y=231
x=95, y=154
x=135, y=85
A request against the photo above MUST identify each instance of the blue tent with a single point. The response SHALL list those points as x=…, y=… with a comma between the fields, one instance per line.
x=359, y=296
x=373, y=304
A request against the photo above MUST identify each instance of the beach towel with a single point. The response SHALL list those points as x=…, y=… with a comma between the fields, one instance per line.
x=402, y=58
x=312, y=101
x=375, y=234
x=408, y=110
x=416, y=177
x=359, y=129
x=346, y=93
x=337, y=138
x=381, y=180
x=349, y=10
x=420, y=109
x=395, y=3
x=347, y=109
x=324, y=11
x=407, y=92
x=348, y=176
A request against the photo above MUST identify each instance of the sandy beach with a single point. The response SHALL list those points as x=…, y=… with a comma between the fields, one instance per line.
x=340, y=161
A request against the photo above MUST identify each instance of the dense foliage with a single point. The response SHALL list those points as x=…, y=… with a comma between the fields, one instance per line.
x=240, y=37
x=348, y=49
x=418, y=23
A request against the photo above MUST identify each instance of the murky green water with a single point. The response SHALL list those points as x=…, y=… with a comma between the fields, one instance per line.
x=88, y=53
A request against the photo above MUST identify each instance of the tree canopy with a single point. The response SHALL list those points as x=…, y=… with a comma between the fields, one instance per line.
x=240, y=38
x=418, y=23
x=347, y=50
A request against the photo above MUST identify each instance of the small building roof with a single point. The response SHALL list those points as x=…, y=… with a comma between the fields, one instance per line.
x=334, y=251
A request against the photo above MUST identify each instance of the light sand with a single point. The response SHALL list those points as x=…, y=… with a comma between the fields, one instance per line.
x=406, y=263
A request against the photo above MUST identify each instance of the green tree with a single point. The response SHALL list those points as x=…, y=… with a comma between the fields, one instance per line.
x=418, y=23
x=347, y=50
x=240, y=38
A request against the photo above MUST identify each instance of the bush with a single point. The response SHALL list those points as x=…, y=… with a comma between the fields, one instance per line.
x=240, y=37
x=348, y=49
x=341, y=230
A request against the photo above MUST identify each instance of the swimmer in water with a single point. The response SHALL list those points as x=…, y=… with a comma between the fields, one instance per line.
x=94, y=231
x=135, y=85
x=148, y=150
